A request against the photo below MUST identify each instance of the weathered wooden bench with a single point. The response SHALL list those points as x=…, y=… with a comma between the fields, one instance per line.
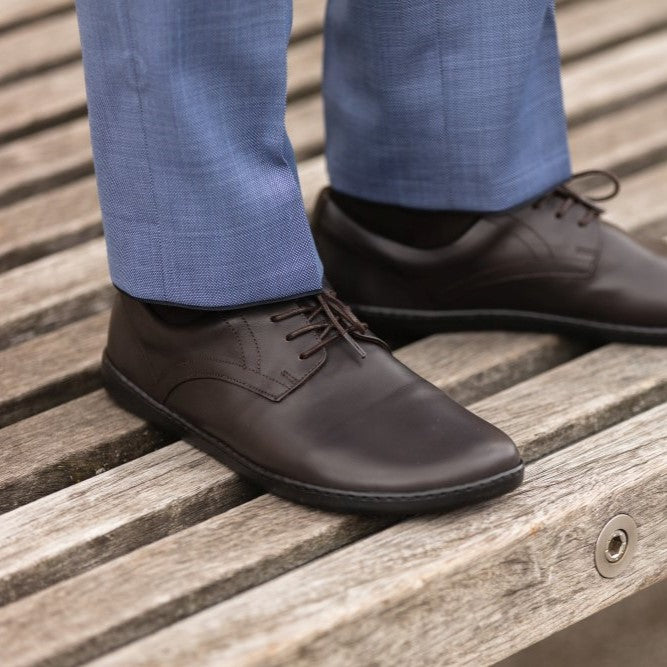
x=120, y=547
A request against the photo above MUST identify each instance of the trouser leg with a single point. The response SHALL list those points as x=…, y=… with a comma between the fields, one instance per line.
x=444, y=104
x=197, y=178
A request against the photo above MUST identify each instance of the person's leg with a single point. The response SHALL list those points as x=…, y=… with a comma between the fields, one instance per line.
x=197, y=178
x=444, y=104
x=446, y=144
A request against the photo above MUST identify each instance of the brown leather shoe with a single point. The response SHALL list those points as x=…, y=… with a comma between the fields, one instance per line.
x=300, y=398
x=553, y=265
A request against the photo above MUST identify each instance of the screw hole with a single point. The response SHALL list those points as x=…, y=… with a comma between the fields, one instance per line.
x=618, y=543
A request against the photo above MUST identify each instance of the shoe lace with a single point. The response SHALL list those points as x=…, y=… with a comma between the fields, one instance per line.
x=330, y=318
x=570, y=197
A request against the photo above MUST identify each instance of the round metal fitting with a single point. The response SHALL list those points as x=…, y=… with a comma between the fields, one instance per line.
x=616, y=545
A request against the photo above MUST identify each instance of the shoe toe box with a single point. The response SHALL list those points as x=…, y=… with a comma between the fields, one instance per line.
x=418, y=440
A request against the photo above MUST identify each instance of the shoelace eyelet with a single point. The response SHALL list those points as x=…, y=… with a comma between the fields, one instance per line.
x=335, y=317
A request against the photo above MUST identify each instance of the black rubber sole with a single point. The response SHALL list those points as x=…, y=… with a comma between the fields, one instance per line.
x=404, y=324
x=133, y=399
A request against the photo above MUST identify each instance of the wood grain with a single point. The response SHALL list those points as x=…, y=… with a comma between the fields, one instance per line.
x=157, y=536
x=16, y=12
x=91, y=522
x=466, y=588
x=471, y=365
x=277, y=536
x=49, y=222
x=45, y=160
x=41, y=101
x=566, y=403
x=616, y=76
x=308, y=17
x=38, y=45
x=67, y=444
x=304, y=66
x=52, y=291
x=642, y=202
x=625, y=141
x=589, y=27
x=68, y=363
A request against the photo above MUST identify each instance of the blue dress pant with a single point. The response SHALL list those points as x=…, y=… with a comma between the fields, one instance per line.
x=434, y=104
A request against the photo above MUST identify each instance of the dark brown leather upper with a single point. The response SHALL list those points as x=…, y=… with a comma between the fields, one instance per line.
x=333, y=419
x=543, y=258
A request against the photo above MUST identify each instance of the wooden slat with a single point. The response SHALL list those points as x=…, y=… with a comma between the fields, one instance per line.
x=44, y=160
x=308, y=17
x=68, y=444
x=642, y=200
x=563, y=405
x=277, y=536
x=39, y=45
x=466, y=588
x=17, y=12
x=305, y=125
x=67, y=361
x=587, y=27
x=53, y=291
x=631, y=632
x=624, y=141
x=83, y=525
x=313, y=177
x=236, y=550
x=617, y=75
x=42, y=100
x=472, y=365
x=304, y=65
x=49, y=222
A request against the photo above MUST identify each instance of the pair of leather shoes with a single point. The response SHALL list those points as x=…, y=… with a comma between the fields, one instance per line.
x=303, y=399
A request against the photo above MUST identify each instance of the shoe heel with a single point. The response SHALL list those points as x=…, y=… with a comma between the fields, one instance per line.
x=131, y=398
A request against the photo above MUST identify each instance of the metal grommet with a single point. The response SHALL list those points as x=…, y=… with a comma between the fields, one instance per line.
x=616, y=545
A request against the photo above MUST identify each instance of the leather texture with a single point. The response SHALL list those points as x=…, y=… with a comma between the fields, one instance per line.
x=545, y=258
x=334, y=419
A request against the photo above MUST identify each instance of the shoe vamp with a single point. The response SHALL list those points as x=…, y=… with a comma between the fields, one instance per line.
x=358, y=424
